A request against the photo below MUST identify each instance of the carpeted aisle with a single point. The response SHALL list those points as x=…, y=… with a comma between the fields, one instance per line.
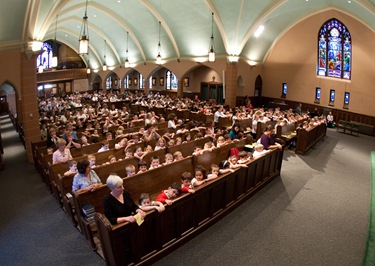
x=33, y=228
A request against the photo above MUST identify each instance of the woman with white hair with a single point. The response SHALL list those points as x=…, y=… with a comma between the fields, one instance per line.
x=119, y=207
x=62, y=154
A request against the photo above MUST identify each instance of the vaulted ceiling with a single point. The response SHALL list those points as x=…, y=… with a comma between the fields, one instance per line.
x=185, y=25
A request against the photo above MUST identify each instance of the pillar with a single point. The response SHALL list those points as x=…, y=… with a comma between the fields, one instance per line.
x=180, y=88
x=29, y=103
x=231, y=84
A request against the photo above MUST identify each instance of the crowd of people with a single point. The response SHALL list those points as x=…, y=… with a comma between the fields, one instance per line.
x=96, y=118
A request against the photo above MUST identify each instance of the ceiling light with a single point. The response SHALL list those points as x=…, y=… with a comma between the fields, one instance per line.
x=84, y=35
x=158, y=57
x=105, y=65
x=211, y=53
x=127, y=51
x=259, y=31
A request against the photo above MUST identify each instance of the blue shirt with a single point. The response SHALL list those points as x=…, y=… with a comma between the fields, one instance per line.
x=81, y=181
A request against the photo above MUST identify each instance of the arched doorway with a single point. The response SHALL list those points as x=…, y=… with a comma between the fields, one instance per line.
x=258, y=91
x=8, y=99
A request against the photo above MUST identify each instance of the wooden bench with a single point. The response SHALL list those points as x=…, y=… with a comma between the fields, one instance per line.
x=351, y=128
x=152, y=182
x=190, y=214
x=307, y=139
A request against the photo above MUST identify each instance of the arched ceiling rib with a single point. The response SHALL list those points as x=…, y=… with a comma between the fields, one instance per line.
x=186, y=25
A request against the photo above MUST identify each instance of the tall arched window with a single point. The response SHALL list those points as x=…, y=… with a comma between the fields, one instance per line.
x=334, y=50
x=171, y=81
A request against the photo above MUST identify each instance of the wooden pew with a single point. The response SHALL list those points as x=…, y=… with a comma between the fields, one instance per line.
x=187, y=149
x=152, y=182
x=225, y=122
x=307, y=139
x=161, y=233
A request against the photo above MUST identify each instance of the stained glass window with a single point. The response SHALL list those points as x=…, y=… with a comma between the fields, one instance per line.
x=334, y=50
x=45, y=58
x=172, y=81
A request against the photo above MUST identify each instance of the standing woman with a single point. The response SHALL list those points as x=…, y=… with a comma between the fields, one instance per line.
x=85, y=179
x=119, y=207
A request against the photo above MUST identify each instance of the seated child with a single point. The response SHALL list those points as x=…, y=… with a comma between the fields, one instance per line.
x=220, y=141
x=187, y=137
x=105, y=146
x=168, y=159
x=200, y=177
x=198, y=150
x=111, y=159
x=208, y=146
x=186, y=182
x=128, y=153
x=171, y=143
x=155, y=162
x=234, y=163
x=121, y=144
x=142, y=167
x=138, y=153
x=178, y=156
x=216, y=171
x=92, y=160
x=72, y=168
x=178, y=141
x=244, y=157
x=50, y=150
x=130, y=170
x=167, y=195
x=259, y=150
x=146, y=204
x=148, y=149
x=161, y=144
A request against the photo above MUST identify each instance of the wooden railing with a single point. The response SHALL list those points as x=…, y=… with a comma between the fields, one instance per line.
x=58, y=75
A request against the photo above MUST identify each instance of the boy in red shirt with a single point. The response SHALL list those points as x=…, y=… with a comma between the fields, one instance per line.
x=167, y=195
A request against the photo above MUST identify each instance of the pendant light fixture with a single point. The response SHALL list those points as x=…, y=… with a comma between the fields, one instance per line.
x=158, y=58
x=127, y=65
x=211, y=53
x=84, y=35
x=105, y=47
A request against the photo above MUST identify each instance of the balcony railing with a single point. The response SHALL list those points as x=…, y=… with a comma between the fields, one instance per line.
x=59, y=75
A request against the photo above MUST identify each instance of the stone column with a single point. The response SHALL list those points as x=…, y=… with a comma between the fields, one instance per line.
x=180, y=88
x=231, y=84
x=146, y=87
x=28, y=102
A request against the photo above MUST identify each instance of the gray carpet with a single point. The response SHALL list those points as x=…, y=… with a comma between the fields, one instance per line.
x=315, y=214
x=33, y=228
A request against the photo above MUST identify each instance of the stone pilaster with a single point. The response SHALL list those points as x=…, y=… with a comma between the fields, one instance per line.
x=231, y=84
x=180, y=88
x=29, y=103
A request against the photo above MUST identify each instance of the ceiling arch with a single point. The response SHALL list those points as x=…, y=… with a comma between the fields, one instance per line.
x=186, y=25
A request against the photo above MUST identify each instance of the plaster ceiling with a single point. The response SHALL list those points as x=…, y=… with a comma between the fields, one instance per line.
x=185, y=25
